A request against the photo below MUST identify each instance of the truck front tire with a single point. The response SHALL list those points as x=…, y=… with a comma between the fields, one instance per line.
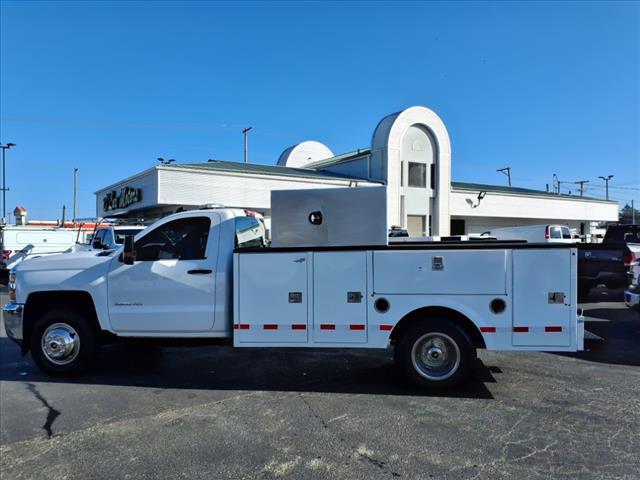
x=63, y=343
x=435, y=354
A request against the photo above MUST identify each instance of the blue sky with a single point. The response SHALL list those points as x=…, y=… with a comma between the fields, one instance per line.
x=109, y=87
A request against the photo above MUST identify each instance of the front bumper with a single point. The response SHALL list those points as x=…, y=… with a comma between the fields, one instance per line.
x=12, y=318
x=631, y=298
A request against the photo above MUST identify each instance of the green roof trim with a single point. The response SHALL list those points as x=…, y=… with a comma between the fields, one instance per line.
x=519, y=191
x=224, y=166
x=345, y=157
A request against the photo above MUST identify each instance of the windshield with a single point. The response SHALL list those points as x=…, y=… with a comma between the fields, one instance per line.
x=124, y=233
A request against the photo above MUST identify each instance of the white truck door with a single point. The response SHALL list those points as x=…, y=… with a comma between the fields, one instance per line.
x=171, y=286
x=340, y=297
x=542, y=297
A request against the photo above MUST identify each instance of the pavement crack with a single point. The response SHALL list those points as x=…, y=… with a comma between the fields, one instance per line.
x=52, y=413
x=313, y=412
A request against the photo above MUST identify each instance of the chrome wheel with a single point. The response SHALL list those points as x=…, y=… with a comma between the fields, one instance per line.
x=60, y=343
x=435, y=356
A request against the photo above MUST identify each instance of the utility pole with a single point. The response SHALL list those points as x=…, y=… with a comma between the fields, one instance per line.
x=75, y=194
x=581, y=183
x=633, y=213
x=507, y=172
x=606, y=184
x=245, y=131
x=4, y=181
x=556, y=184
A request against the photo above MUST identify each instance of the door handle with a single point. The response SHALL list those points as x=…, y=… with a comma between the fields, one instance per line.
x=202, y=271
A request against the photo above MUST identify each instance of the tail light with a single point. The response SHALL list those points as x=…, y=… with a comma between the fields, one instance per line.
x=547, y=235
x=12, y=286
x=6, y=254
x=628, y=258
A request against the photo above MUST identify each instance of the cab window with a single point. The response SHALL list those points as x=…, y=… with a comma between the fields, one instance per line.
x=556, y=232
x=183, y=239
x=107, y=241
x=249, y=232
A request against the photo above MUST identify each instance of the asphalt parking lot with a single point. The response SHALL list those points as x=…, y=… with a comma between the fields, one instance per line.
x=215, y=412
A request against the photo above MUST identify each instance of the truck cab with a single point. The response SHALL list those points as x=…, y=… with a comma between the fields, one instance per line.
x=179, y=286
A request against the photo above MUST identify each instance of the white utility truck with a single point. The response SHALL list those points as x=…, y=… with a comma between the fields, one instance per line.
x=329, y=279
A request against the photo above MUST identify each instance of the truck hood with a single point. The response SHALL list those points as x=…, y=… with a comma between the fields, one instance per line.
x=65, y=261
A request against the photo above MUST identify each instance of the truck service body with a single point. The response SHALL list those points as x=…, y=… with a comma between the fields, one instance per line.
x=434, y=302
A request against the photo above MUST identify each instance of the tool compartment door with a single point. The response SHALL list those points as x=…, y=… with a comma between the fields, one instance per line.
x=542, y=293
x=447, y=272
x=271, y=298
x=340, y=297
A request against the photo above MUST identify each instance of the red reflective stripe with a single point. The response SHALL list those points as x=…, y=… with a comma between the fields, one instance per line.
x=356, y=327
x=386, y=327
x=520, y=329
x=270, y=326
x=553, y=329
x=241, y=326
x=488, y=329
x=327, y=326
x=298, y=326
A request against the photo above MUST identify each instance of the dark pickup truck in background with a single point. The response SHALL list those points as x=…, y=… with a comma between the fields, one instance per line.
x=607, y=262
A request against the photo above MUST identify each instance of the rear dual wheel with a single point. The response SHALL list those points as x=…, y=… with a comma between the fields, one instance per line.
x=435, y=354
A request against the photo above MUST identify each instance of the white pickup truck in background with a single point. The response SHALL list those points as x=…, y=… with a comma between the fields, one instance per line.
x=317, y=286
x=23, y=242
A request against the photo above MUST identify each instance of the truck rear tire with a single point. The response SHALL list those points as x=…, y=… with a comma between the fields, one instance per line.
x=435, y=354
x=63, y=343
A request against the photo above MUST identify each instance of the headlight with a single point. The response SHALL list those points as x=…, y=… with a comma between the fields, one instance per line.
x=12, y=285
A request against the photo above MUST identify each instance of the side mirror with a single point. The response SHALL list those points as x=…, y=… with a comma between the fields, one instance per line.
x=97, y=244
x=129, y=253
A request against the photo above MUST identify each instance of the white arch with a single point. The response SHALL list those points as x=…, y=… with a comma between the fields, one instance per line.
x=385, y=161
x=304, y=153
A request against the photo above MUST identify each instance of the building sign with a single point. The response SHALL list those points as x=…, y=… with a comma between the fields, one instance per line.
x=116, y=200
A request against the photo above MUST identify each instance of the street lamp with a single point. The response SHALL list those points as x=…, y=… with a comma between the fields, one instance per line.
x=606, y=183
x=507, y=172
x=245, y=132
x=165, y=162
x=4, y=181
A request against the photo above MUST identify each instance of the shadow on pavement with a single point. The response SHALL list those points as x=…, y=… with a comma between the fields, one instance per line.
x=247, y=369
x=617, y=325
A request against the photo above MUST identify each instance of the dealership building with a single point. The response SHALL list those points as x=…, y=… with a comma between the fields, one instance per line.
x=410, y=153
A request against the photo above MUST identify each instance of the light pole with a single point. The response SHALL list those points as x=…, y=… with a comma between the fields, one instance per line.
x=165, y=162
x=75, y=194
x=4, y=181
x=581, y=183
x=507, y=172
x=606, y=184
x=245, y=131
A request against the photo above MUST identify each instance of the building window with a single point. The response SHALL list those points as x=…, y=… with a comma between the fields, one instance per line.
x=433, y=176
x=416, y=225
x=417, y=174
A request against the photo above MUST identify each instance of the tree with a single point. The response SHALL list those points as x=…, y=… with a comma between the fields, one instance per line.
x=626, y=214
